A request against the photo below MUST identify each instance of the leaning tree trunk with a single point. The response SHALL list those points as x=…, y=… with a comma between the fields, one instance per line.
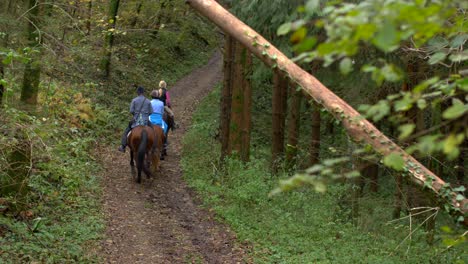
x=226, y=96
x=32, y=71
x=358, y=128
x=109, y=40
x=278, y=119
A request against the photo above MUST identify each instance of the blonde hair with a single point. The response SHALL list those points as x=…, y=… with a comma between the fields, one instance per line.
x=162, y=84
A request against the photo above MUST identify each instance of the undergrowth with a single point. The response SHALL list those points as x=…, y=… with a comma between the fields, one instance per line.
x=50, y=164
x=300, y=226
x=49, y=180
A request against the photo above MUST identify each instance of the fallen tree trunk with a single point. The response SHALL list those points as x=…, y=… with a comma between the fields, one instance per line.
x=358, y=128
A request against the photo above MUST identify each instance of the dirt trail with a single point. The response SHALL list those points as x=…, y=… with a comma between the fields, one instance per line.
x=159, y=221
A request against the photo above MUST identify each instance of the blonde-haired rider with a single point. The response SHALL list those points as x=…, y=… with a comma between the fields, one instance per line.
x=165, y=98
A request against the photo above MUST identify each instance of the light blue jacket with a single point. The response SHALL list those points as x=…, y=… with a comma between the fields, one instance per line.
x=156, y=118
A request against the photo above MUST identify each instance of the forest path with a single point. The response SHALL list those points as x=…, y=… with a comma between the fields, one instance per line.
x=159, y=221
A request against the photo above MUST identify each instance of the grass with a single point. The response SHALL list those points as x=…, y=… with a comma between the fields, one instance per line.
x=300, y=226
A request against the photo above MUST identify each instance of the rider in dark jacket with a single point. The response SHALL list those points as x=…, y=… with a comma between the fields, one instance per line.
x=140, y=108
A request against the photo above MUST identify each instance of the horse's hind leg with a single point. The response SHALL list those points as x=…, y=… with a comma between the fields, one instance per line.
x=132, y=163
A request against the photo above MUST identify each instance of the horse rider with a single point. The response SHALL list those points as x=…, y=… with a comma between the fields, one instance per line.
x=140, y=108
x=156, y=118
x=166, y=99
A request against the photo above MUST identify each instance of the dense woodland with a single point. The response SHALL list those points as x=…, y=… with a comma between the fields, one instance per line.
x=280, y=168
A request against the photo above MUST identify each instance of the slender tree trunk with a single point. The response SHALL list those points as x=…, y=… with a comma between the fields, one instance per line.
x=293, y=127
x=226, y=96
x=135, y=18
x=109, y=40
x=247, y=105
x=32, y=71
x=2, y=76
x=315, y=135
x=279, y=118
x=90, y=15
x=461, y=166
x=10, y=5
x=235, y=134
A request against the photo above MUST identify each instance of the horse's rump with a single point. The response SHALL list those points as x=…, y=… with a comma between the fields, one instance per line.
x=142, y=142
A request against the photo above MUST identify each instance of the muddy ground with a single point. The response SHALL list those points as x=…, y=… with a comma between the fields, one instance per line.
x=160, y=220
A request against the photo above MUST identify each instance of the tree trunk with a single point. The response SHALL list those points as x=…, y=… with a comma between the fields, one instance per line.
x=32, y=71
x=247, y=105
x=2, y=76
x=278, y=119
x=293, y=127
x=235, y=133
x=135, y=18
x=226, y=96
x=109, y=40
x=359, y=129
x=88, y=19
x=315, y=135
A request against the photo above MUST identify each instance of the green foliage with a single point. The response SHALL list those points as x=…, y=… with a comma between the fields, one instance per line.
x=301, y=226
x=49, y=186
x=57, y=216
x=394, y=161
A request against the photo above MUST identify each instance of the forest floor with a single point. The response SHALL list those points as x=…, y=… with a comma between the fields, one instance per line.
x=160, y=220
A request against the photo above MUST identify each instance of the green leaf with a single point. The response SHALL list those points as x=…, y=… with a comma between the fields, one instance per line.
x=391, y=73
x=436, y=58
x=305, y=45
x=460, y=197
x=455, y=111
x=299, y=35
x=459, y=57
x=451, y=145
x=422, y=104
x=458, y=40
x=284, y=29
x=394, y=161
x=387, y=38
x=312, y=6
x=346, y=65
x=404, y=104
x=406, y=130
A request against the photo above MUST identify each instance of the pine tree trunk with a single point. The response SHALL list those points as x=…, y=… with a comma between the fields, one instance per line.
x=32, y=71
x=226, y=96
x=247, y=105
x=293, y=127
x=315, y=135
x=279, y=116
x=235, y=133
x=109, y=40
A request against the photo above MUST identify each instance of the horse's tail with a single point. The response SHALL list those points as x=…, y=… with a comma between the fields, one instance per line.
x=142, y=149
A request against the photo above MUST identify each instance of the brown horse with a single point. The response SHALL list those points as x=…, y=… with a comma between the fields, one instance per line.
x=143, y=143
x=159, y=135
